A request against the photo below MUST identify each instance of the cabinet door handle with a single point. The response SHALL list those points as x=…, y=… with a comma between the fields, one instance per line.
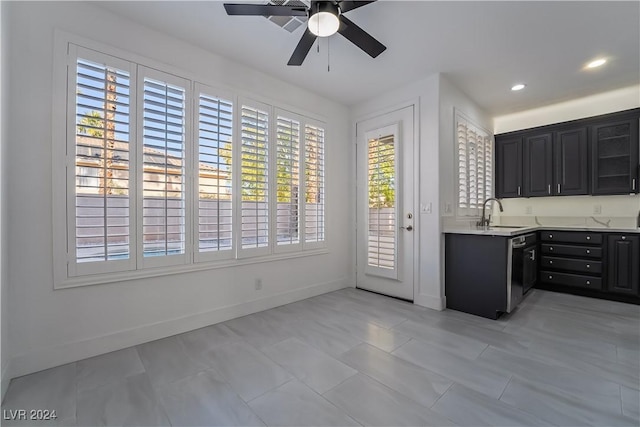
x=633, y=184
x=624, y=237
x=550, y=189
x=519, y=190
x=558, y=188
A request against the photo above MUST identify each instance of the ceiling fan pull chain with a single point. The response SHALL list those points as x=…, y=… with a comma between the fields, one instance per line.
x=328, y=55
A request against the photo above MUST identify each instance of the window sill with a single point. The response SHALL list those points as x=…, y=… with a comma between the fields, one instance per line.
x=97, y=279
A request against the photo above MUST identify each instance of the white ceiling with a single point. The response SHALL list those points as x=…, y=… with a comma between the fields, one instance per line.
x=484, y=47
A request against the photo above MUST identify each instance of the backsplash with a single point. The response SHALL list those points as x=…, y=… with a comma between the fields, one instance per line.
x=590, y=211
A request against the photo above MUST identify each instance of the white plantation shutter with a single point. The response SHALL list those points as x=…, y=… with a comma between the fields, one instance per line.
x=314, y=184
x=254, y=181
x=150, y=176
x=475, y=166
x=215, y=207
x=162, y=140
x=287, y=183
x=100, y=226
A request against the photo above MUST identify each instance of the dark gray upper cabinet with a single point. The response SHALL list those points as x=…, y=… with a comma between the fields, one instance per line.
x=598, y=155
x=623, y=264
x=508, y=167
x=614, y=148
x=538, y=165
x=571, y=160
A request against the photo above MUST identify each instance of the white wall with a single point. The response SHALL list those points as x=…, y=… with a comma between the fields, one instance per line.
x=622, y=210
x=4, y=119
x=48, y=327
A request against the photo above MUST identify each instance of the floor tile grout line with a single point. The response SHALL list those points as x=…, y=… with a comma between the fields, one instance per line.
x=445, y=392
x=505, y=386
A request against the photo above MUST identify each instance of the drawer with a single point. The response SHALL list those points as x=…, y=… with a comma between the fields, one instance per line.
x=568, y=279
x=578, y=265
x=580, y=251
x=571, y=237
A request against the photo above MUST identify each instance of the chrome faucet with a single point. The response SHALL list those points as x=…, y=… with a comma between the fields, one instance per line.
x=484, y=221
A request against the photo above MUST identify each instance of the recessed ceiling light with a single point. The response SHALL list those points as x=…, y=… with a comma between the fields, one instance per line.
x=597, y=63
x=519, y=86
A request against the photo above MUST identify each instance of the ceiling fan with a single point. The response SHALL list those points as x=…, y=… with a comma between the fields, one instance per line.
x=325, y=19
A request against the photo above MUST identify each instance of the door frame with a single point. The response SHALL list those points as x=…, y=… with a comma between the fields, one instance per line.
x=415, y=104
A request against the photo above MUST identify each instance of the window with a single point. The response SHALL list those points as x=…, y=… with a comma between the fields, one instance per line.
x=134, y=136
x=288, y=182
x=314, y=184
x=215, y=187
x=475, y=166
x=100, y=112
x=163, y=134
x=254, y=179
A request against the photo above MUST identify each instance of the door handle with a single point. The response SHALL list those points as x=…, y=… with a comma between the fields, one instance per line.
x=408, y=228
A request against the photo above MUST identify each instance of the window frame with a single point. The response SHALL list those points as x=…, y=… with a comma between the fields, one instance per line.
x=65, y=44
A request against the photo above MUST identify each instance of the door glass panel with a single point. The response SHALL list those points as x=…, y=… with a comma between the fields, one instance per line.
x=382, y=237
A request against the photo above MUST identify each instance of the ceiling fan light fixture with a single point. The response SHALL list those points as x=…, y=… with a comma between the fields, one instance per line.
x=324, y=21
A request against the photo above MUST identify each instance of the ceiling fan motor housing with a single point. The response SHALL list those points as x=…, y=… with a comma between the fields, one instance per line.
x=324, y=18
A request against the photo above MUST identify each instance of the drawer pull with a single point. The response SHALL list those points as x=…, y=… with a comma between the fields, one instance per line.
x=588, y=237
x=588, y=251
x=588, y=282
x=551, y=236
x=588, y=266
x=624, y=237
x=550, y=262
x=550, y=277
x=551, y=248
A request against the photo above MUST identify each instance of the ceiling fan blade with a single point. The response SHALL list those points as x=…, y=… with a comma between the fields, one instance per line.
x=264, y=10
x=360, y=37
x=346, y=6
x=303, y=48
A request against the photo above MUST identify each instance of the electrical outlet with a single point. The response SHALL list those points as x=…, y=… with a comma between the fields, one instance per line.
x=258, y=284
x=597, y=209
x=529, y=210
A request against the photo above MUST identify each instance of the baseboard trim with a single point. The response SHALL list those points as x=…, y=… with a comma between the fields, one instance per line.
x=435, y=303
x=5, y=380
x=52, y=356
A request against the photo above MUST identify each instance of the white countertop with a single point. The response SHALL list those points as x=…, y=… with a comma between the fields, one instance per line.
x=502, y=230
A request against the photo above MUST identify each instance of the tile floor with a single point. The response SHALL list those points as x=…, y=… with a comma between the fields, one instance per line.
x=355, y=358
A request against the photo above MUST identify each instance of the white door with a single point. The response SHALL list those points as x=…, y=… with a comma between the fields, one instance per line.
x=385, y=203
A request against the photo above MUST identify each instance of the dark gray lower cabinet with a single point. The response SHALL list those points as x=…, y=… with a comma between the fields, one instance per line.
x=623, y=263
x=476, y=274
